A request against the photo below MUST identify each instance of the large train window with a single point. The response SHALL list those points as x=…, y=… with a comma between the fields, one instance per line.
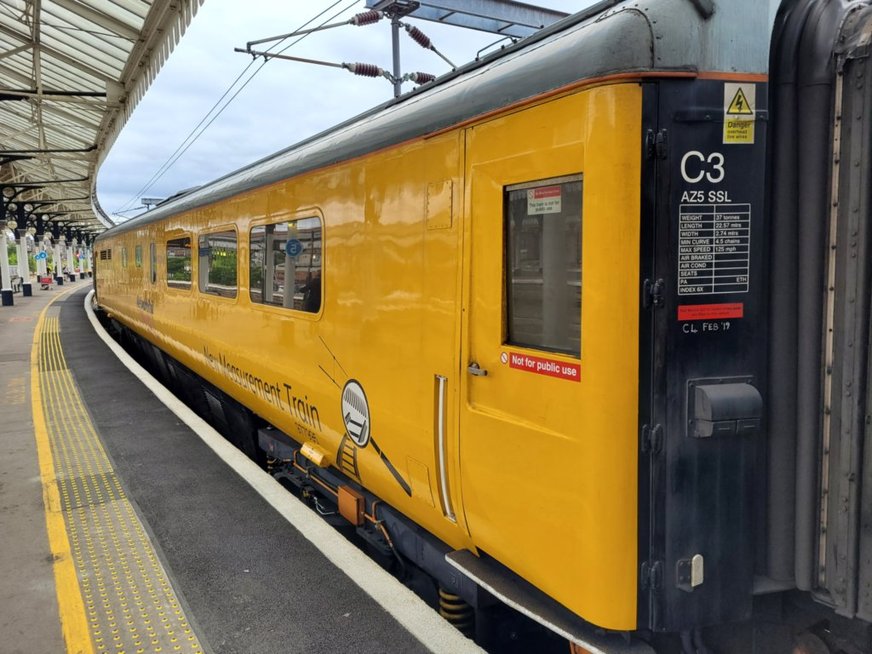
x=543, y=264
x=286, y=264
x=179, y=262
x=137, y=256
x=217, y=263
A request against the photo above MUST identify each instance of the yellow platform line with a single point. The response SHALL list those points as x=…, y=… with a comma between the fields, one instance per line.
x=71, y=608
x=118, y=592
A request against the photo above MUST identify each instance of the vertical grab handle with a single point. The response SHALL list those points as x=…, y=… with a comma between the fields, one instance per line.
x=444, y=491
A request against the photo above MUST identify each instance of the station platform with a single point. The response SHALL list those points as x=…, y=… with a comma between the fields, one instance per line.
x=128, y=525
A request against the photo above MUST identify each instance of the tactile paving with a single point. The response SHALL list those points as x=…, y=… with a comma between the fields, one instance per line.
x=129, y=602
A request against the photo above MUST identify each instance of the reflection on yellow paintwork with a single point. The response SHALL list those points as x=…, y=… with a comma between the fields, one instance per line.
x=541, y=471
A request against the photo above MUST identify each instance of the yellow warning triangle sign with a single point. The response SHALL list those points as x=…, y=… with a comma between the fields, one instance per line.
x=739, y=105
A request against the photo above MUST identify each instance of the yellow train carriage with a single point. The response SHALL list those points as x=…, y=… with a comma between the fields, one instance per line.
x=391, y=318
x=439, y=303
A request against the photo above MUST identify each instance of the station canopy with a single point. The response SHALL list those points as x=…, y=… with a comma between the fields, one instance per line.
x=71, y=74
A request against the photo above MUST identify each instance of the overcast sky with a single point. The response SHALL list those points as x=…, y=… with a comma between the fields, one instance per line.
x=284, y=103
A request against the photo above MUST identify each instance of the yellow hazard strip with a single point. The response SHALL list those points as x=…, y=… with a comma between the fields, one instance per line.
x=74, y=624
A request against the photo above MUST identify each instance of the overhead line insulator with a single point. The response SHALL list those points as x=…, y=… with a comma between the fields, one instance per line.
x=419, y=37
x=424, y=41
x=419, y=78
x=366, y=18
x=365, y=70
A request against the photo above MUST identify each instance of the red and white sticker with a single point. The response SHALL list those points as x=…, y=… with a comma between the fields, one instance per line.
x=545, y=199
x=711, y=311
x=542, y=366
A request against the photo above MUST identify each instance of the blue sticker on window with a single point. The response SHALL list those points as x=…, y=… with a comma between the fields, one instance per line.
x=293, y=247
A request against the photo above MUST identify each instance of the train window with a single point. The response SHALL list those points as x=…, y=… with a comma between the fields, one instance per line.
x=286, y=264
x=217, y=263
x=137, y=256
x=543, y=264
x=179, y=262
x=124, y=257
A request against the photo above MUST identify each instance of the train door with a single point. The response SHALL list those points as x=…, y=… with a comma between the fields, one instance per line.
x=548, y=416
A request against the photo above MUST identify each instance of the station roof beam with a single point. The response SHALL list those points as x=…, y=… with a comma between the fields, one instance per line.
x=513, y=19
x=71, y=74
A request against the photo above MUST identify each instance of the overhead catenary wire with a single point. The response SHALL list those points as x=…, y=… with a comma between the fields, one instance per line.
x=365, y=18
x=362, y=69
x=206, y=121
x=358, y=20
x=200, y=128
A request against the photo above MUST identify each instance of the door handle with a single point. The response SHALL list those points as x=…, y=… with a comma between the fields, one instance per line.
x=476, y=370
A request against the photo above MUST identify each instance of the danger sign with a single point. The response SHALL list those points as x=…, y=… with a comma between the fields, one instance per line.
x=740, y=103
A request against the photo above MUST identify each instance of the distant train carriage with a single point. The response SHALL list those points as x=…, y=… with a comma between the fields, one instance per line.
x=524, y=309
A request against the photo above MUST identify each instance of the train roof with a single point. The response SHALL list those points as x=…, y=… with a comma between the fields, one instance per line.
x=610, y=38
